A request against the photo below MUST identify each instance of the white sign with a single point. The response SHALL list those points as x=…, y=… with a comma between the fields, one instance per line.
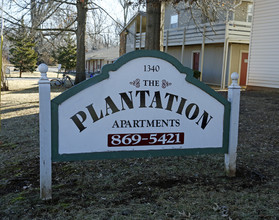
x=144, y=104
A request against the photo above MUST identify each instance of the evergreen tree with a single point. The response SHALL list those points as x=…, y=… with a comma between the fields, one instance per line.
x=23, y=55
x=66, y=55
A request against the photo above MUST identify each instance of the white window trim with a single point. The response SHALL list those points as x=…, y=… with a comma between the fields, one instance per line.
x=171, y=21
x=249, y=14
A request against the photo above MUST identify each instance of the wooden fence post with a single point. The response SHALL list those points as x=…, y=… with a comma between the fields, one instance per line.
x=45, y=134
x=234, y=99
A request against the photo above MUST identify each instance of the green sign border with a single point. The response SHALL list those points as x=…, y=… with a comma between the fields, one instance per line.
x=135, y=154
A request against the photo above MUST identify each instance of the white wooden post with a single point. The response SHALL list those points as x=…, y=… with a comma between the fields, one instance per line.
x=45, y=134
x=183, y=45
x=140, y=32
x=202, y=53
x=167, y=41
x=225, y=56
x=234, y=99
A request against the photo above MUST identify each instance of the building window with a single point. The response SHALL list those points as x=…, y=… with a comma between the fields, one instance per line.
x=249, y=12
x=174, y=21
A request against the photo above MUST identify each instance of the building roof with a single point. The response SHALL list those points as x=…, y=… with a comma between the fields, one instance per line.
x=110, y=54
x=142, y=13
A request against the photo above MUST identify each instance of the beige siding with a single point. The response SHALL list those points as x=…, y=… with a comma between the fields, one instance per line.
x=263, y=69
x=235, y=62
x=213, y=58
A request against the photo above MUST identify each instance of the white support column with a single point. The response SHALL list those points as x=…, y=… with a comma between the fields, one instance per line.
x=202, y=53
x=225, y=56
x=183, y=46
x=167, y=41
x=140, y=32
x=234, y=99
x=135, y=36
x=45, y=134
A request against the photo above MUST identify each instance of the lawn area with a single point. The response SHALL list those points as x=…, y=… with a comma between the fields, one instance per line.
x=190, y=187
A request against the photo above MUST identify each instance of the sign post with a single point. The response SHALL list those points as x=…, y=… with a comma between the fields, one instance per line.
x=45, y=134
x=234, y=99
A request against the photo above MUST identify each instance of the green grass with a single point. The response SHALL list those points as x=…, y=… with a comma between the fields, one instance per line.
x=191, y=187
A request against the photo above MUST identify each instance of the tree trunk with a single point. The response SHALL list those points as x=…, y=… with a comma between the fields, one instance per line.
x=33, y=16
x=4, y=82
x=122, y=44
x=81, y=19
x=152, y=39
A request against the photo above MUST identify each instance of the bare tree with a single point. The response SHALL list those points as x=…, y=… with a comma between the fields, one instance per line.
x=97, y=30
x=41, y=13
x=126, y=5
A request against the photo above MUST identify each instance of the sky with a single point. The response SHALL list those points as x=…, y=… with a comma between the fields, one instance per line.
x=113, y=7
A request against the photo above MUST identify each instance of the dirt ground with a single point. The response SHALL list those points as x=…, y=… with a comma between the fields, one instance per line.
x=190, y=187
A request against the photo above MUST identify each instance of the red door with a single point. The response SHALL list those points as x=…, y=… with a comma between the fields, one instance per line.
x=196, y=60
x=243, y=69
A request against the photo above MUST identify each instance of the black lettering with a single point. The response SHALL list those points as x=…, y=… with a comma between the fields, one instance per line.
x=141, y=123
x=156, y=99
x=78, y=122
x=204, y=118
x=93, y=113
x=165, y=123
x=151, y=83
x=115, y=124
x=177, y=123
x=127, y=100
x=110, y=105
x=181, y=106
x=170, y=101
x=171, y=122
x=123, y=123
x=142, y=97
x=188, y=111
x=150, y=124
x=128, y=124
x=136, y=123
x=158, y=123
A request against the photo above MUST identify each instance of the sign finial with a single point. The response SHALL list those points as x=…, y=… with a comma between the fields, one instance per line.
x=43, y=68
x=234, y=77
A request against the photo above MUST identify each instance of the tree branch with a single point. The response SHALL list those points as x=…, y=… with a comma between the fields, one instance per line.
x=55, y=29
x=107, y=14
